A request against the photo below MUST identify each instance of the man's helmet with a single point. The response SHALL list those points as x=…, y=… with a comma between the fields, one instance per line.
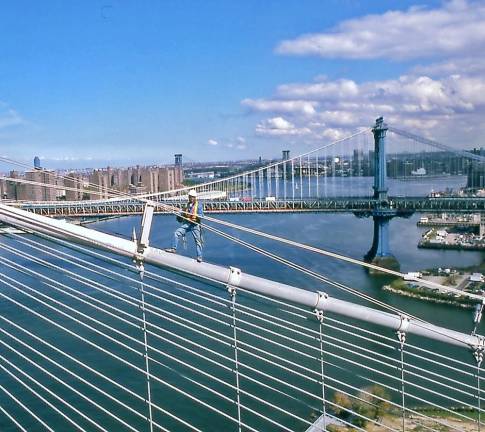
x=192, y=193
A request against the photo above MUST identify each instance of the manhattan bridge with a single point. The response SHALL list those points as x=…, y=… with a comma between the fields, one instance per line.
x=101, y=332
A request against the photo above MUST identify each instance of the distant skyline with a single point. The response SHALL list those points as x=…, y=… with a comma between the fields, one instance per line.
x=87, y=84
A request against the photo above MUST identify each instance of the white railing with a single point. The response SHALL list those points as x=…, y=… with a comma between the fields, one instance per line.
x=90, y=341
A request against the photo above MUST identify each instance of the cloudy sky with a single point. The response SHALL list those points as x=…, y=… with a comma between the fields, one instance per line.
x=96, y=82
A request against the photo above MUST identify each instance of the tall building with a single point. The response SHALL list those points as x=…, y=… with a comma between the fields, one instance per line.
x=99, y=180
x=38, y=192
x=74, y=186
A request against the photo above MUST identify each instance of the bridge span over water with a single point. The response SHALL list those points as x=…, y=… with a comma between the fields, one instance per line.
x=98, y=332
x=402, y=205
x=378, y=177
x=102, y=333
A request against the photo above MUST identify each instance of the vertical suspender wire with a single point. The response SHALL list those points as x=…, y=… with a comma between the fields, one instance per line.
x=270, y=177
x=293, y=181
x=259, y=184
x=402, y=338
x=317, y=174
x=268, y=183
x=284, y=179
x=325, y=173
x=322, y=370
x=309, y=173
x=479, y=397
x=232, y=292
x=277, y=179
x=351, y=168
x=252, y=186
x=479, y=358
x=333, y=166
x=145, y=344
x=301, y=179
x=342, y=187
x=403, y=408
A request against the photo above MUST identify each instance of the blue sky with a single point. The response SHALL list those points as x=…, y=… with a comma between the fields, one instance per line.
x=124, y=82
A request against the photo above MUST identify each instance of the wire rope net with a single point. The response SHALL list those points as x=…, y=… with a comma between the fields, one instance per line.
x=72, y=355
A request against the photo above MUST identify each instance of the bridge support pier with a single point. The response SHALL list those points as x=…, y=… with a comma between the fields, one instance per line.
x=380, y=252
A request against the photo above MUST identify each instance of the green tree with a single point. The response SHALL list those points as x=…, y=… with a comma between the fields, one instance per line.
x=377, y=399
x=343, y=404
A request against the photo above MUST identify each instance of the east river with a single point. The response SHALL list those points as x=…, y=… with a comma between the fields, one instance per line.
x=342, y=233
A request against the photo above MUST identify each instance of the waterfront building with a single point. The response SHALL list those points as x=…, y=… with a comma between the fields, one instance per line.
x=74, y=181
x=133, y=180
x=37, y=192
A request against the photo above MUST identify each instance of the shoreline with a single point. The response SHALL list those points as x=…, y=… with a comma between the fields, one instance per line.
x=423, y=296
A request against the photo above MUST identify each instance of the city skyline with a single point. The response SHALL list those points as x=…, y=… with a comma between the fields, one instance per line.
x=95, y=84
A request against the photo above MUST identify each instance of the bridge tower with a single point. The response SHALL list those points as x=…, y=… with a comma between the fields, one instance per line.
x=380, y=252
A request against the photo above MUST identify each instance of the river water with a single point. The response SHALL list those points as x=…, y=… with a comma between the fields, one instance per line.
x=342, y=233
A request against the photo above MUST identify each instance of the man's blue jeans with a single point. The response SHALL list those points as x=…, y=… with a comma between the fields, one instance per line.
x=184, y=229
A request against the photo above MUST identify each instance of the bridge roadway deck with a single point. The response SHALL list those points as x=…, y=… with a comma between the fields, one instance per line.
x=350, y=204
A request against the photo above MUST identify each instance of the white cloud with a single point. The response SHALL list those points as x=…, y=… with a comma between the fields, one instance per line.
x=333, y=134
x=455, y=28
x=212, y=142
x=281, y=106
x=339, y=89
x=473, y=66
x=451, y=106
x=442, y=98
x=278, y=126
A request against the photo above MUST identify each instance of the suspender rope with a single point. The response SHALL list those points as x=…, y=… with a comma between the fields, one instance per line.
x=320, y=316
x=478, y=354
x=479, y=398
x=234, y=278
x=138, y=260
x=141, y=269
x=401, y=335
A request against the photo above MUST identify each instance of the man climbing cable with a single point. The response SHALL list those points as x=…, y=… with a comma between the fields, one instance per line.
x=190, y=222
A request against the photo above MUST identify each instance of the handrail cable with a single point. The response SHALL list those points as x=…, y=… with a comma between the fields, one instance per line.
x=79, y=363
x=12, y=419
x=120, y=311
x=195, y=399
x=176, y=210
x=260, y=400
x=422, y=377
x=290, y=413
x=320, y=277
